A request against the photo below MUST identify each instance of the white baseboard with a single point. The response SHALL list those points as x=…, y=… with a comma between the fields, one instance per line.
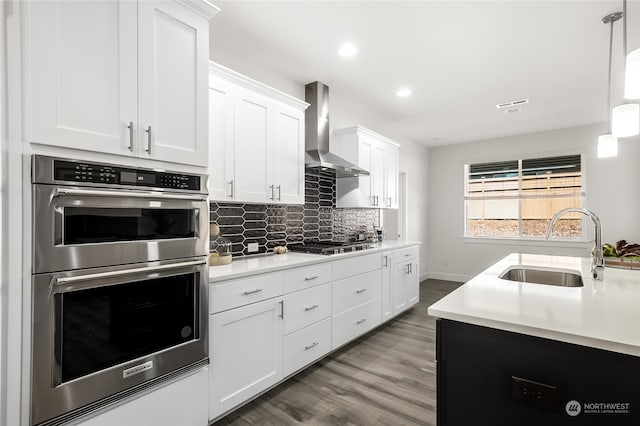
x=448, y=277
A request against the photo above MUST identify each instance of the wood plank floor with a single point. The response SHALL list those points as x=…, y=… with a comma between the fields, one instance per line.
x=386, y=377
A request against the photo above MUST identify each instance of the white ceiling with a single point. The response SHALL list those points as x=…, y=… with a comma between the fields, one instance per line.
x=459, y=58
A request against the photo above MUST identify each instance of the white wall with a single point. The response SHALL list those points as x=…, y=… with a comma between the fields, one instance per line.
x=346, y=111
x=613, y=193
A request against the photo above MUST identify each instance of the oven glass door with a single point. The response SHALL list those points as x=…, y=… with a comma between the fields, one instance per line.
x=91, y=225
x=101, y=327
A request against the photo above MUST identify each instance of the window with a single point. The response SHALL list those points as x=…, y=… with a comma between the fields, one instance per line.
x=516, y=199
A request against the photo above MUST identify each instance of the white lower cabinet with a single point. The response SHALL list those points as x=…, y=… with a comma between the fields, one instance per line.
x=355, y=322
x=245, y=350
x=406, y=285
x=304, y=346
x=265, y=327
x=387, y=285
x=183, y=402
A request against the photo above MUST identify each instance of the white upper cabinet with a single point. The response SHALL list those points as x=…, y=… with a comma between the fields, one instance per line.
x=119, y=77
x=288, y=158
x=374, y=153
x=256, y=141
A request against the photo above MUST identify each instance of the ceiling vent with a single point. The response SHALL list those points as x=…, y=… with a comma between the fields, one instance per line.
x=512, y=104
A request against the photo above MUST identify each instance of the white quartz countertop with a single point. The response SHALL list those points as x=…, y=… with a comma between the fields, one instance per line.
x=602, y=314
x=240, y=267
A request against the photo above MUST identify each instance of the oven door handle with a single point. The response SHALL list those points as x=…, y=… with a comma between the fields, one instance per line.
x=127, y=194
x=70, y=280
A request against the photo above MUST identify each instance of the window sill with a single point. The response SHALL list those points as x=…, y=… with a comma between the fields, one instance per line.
x=529, y=242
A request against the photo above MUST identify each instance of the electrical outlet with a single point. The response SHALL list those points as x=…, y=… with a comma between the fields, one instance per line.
x=252, y=247
x=534, y=393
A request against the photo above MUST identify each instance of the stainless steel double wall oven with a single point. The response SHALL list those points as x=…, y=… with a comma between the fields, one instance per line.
x=119, y=285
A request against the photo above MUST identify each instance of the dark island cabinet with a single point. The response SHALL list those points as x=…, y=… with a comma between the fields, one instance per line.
x=493, y=377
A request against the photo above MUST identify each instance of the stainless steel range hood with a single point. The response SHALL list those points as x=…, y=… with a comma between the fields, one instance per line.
x=317, y=135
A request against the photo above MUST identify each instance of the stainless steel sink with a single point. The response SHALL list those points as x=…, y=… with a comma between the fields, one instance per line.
x=543, y=276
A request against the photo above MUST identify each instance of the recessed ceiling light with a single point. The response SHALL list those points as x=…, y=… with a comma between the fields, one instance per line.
x=403, y=92
x=512, y=110
x=347, y=50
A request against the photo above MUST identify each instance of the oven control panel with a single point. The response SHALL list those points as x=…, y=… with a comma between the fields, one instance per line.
x=71, y=171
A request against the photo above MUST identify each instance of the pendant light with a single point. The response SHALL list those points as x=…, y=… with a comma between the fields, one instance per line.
x=625, y=118
x=632, y=66
x=608, y=143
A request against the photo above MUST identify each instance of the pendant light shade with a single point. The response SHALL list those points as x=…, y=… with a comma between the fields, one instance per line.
x=607, y=146
x=625, y=120
x=632, y=75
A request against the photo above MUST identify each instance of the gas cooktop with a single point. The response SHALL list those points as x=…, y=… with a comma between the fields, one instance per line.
x=329, y=247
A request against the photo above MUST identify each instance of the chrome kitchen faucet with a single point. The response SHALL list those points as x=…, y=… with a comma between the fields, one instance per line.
x=597, y=260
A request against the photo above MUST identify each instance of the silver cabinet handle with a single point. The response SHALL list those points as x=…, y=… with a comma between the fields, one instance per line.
x=407, y=255
x=362, y=290
x=361, y=321
x=411, y=268
x=315, y=277
x=130, y=127
x=231, y=188
x=313, y=345
x=279, y=192
x=408, y=268
x=373, y=200
x=148, y=140
x=386, y=261
x=377, y=200
x=248, y=292
x=69, y=280
x=389, y=202
x=282, y=309
x=58, y=192
x=308, y=308
x=271, y=188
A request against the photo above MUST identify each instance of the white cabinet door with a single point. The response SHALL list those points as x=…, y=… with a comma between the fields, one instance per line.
x=365, y=183
x=391, y=177
x=288, y=158
x=221, y=140
x=252, y=130
x=412, y=286
x=387, y=285
x=183, y=403
x=245, y=348
x=82, y=74
x=377, y=175
x=400, y=273
x=173, y=48
x=406, y=285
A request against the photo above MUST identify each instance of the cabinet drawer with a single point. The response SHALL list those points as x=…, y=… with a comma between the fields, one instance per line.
x=307, y=345
x=352, y=323
x=231, y=294
x=354, y=291
x=305, y=307
x=355, y=265
x=301, y=278
x=405, y=254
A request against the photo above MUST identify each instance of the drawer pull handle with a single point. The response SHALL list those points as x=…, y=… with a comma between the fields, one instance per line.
x=361, y=321
x=257, y=290
x=308, y=308
x=313, y=345
x=315, y=277
x=362, y=290
x=407, y=255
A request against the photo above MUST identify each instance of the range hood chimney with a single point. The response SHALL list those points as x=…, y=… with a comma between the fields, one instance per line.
x=317, y=132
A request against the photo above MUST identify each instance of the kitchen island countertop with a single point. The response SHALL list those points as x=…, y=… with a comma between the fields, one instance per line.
x=243, y=267
x=602, y=314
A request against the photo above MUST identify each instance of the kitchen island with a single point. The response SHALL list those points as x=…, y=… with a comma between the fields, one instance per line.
x=532, y=353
